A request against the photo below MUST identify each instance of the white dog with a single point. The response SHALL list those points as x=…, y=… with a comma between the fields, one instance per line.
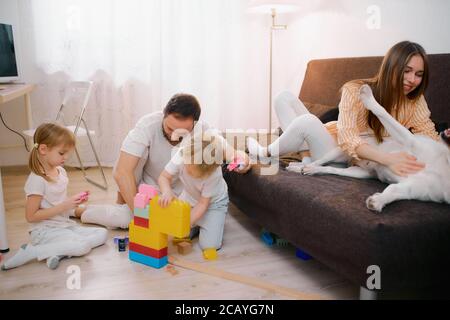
x=429, y=184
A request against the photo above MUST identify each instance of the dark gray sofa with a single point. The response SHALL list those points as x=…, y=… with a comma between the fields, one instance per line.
x=326, y=216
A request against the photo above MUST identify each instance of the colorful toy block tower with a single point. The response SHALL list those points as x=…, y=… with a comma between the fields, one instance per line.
x=151, y=225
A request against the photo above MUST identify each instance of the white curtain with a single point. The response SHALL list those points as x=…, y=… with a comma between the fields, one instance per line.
x=141, y=52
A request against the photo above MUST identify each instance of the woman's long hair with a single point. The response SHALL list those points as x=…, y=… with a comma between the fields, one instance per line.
x=387, y=85
x=51, y=135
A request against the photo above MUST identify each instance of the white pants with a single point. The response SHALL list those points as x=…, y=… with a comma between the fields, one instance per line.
x=71, y=241
x=301, y=129
x=110, y=216
x=212, y=225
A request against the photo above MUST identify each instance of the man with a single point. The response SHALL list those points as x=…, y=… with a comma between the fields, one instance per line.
x=151, y=144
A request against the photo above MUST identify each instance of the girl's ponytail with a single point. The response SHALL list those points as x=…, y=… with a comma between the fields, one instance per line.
x=51, y=135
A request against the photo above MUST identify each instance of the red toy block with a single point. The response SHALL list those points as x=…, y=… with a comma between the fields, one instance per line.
x=141, y=200
x=141, y=222
x=150, y=191
x=149, y=252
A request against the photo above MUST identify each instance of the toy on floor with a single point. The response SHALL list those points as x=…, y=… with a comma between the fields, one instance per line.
x=84, y=196
x=302, y=254
x=122, y=243
x=171, y=269
x=184, y=247
x=210, y=254
x=237, y=164
x=116, y=239
x=151, y=225
x=270, y=239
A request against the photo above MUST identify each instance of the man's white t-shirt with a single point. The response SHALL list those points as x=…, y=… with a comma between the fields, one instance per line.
x=146, y=140
x=53, y=193
x=213, y=186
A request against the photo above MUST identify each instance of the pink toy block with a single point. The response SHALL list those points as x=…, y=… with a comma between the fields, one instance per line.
x=83, y=196
x=148, y=190
x=141, y=200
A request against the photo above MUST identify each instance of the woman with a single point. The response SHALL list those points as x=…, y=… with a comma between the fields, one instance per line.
x=399, y=87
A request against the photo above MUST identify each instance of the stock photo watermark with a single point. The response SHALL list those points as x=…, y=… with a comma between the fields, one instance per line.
x=73, y=282
x=374, y=280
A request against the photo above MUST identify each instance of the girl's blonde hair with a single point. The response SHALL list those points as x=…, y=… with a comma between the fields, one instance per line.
x=205, y=152
x=51, y=135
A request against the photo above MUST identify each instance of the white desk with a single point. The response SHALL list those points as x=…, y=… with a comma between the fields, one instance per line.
x=10, y=92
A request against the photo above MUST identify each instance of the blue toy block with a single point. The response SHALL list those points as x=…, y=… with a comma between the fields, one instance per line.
x=142, y=212
x=148, y=261
x=267, y=237
x=302, y=254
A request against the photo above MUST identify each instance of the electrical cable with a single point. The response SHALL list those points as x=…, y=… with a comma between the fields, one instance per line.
x=24, y=139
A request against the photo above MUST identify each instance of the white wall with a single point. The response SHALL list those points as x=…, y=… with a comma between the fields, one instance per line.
x=339, y=28
x=14, y=111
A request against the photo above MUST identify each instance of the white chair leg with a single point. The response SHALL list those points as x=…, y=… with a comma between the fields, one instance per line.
x=103, y=186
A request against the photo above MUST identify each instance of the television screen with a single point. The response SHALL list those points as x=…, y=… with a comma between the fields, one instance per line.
x=8, y=63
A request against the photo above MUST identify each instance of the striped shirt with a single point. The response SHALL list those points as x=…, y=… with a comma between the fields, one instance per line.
x=353, y=120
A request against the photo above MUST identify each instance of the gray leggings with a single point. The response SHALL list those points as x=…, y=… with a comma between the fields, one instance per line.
x=212, y=224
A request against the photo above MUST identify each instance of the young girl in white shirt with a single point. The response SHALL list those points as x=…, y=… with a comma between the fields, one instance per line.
x=198, y=165
x=53, y=235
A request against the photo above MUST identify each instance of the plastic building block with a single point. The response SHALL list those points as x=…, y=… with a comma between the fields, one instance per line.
x=142, y=212
x=149, y=261
x=141, y=222
x=116, y=239
x=171, y=269
x=149, y=190
x=148, y=251
x=210, y=254
x=271, y=239
x=84, y=196
x=237, y=163
x=302, y=254
x=146, y=237
x=267, y=237
x=141, y=200
x=184, y=248
x=172, y=220
x=176, y=240
x=149, y=232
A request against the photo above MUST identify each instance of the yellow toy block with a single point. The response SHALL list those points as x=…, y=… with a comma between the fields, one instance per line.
x=174, y=220
x=147, y=238
x=210, y=254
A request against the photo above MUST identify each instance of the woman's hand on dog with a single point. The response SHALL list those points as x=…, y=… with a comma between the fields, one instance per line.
x=403, y=164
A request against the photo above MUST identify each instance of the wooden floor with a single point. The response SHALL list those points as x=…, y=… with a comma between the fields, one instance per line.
x=108, y=274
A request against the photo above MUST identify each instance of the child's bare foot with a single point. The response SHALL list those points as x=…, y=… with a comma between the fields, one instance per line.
x=79, y=211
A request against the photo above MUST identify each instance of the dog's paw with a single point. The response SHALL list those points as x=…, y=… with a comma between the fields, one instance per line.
x=295, y=167
x=375, y=202
x=311, y=170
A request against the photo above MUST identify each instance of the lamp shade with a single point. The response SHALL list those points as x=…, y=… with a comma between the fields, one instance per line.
x=266, y=6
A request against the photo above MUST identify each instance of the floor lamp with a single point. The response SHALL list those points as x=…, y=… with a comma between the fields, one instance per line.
x=272, y=7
